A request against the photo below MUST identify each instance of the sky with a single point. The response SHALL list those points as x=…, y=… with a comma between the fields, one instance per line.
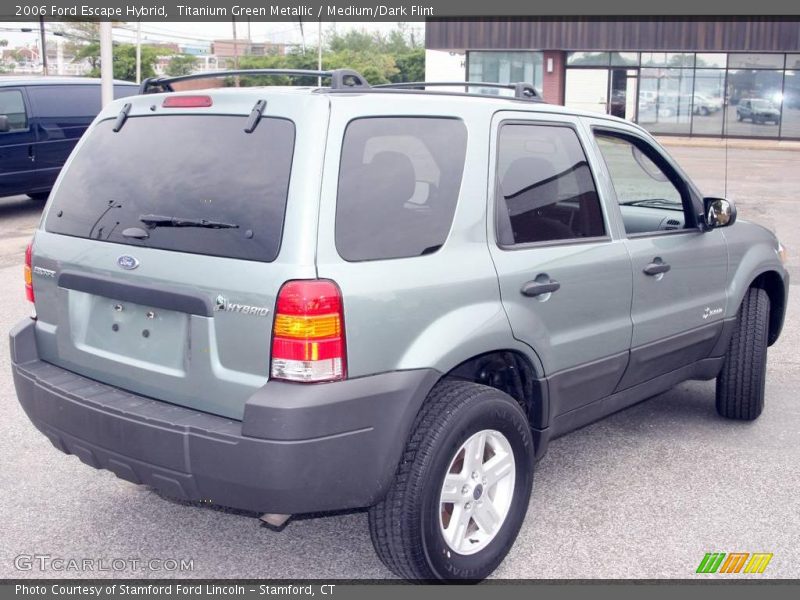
x=198, y=32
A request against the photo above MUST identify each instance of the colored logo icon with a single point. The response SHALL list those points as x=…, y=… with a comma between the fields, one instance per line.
x=734, y=562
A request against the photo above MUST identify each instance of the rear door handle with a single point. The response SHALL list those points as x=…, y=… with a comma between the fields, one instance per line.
x=656, y=267
x=537, y=288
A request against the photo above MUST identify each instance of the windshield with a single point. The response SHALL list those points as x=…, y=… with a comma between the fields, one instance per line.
x=195, y=170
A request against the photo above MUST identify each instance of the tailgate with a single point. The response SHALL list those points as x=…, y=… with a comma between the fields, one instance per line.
x=163, y=248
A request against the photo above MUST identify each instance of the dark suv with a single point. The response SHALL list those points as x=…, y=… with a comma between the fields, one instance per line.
x=758, y=110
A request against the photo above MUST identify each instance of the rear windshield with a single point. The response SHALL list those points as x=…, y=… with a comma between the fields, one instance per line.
x=191, y=168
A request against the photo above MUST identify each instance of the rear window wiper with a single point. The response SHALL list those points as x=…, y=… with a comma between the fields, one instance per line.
x=153, y=221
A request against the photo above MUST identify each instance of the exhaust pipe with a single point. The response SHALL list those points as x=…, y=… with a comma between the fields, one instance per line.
x=275, y=521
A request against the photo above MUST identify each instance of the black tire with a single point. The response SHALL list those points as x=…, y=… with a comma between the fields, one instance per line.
x=740, y=384
x=405, y=527
x=38, y=196
x=739, y=116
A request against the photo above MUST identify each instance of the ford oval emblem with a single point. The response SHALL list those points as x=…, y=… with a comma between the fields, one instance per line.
x=128, y=262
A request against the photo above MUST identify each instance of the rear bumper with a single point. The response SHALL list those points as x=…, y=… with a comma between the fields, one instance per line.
x=300, y=448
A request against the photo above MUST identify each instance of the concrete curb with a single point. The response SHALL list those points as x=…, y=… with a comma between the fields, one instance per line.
x=735, y=143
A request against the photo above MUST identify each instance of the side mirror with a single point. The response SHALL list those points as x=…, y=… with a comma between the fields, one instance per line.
x=4, y=126
x=718, y=212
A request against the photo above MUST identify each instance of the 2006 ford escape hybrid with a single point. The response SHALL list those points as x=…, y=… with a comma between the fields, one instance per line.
x=291, y=300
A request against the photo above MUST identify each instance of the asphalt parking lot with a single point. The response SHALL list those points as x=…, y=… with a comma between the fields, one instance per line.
x=643, y=494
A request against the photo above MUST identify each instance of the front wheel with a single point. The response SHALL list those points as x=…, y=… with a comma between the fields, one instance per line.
x=740, y=384
x=462, y=488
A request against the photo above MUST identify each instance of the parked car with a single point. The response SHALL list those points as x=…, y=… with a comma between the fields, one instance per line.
x=705, y=105
x=302, y=300
x=758, y=111
x=41, y=119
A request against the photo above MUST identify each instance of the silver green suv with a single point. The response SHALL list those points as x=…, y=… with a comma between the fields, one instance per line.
x=294, y=300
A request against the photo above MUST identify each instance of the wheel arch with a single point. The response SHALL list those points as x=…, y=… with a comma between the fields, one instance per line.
x=512, y=372
x=772, y=283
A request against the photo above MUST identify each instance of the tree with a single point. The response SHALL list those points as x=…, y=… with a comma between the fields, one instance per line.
x=181, y=64
x=393, y=57
x=124, y=60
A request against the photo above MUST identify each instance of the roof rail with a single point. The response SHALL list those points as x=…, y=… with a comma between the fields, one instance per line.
x=340, y=78
x=523, y=91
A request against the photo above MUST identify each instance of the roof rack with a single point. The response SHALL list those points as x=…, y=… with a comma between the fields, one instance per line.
x=340, y=78
x=522, y=91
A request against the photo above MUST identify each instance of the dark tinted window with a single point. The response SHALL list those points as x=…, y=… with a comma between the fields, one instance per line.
x=71, y=100
x=398, y=186
x=546, y=190
x=13, y=107
x=190, y=167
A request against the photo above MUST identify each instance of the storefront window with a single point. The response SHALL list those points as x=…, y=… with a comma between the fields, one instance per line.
x=707, y=93
x=665, y=99
x=755, y=61
x=624, y=59
x=506, y=67
x=667, y=59
x=754, y=103
x=708, y=101
x=587, y=59
x=709, y=61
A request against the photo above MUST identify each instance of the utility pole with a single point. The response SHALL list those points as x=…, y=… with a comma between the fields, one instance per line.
x=44, y=46
x=138, y=52
x=235, y=50
x=106, y=63
x=319, y=51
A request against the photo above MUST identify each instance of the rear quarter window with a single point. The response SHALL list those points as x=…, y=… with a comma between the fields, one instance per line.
x=399, y=182
x=191, y=167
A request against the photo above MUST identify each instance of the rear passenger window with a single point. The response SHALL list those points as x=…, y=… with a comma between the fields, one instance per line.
x=12, y=106
x=545, y=186
x=399, y=182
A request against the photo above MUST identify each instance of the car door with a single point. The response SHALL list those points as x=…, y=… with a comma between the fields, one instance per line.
x=679, y=270
x=565, y=282
x=17, y=137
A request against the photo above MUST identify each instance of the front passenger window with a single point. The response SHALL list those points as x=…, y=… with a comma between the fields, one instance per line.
x=649, y=201
x=12, y=107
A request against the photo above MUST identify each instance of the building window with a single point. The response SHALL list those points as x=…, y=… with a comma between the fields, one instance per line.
x=708, y=101
x=506, y=67
x=665, y=99
x=755, y=61
x=754, y=102
x=790, y=122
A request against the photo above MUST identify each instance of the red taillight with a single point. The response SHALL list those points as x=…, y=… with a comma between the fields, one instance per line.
x=28, y=273
x=187, y=102
x=308, y=332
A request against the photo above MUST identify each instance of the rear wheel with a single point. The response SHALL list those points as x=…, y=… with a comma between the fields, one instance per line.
x=462, y=488
x=740, y=384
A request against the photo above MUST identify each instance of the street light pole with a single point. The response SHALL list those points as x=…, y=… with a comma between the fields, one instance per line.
x=319, y=51
x=106, y=63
